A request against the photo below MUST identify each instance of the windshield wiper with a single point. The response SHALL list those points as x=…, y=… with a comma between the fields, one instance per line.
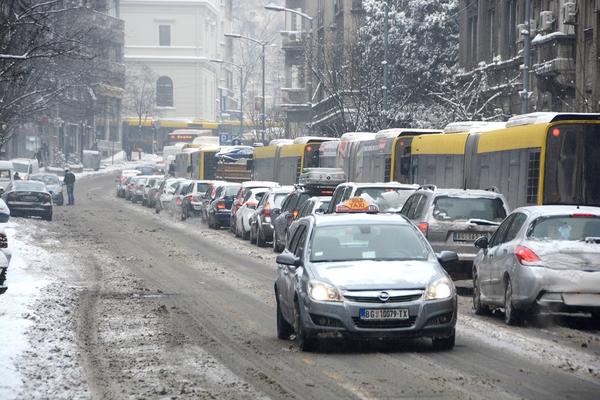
x=477, y=221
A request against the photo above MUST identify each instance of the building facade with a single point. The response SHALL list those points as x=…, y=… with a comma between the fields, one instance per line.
x=565, y=45
x=177, y=39
x=88, y=114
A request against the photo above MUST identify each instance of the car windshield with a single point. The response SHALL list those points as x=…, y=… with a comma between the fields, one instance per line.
x=202, y=187
x=146, y=170
x=47, y=179
x=387, y=199
x=381, y=242
x=5, y=175
x=576, y=228
x=447, y=208
x=322, y=207
x=30, y=186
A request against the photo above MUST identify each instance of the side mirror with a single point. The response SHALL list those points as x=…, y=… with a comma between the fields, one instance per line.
x=482, y=242
x=287, y=258
x=275, y=212
x=447, y=257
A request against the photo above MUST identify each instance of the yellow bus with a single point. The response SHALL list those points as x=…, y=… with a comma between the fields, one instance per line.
x=284, y=160
x=538, y=158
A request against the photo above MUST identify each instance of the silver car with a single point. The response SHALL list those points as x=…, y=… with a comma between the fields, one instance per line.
x=363, y=275
x=452, y=219
x=540, y=258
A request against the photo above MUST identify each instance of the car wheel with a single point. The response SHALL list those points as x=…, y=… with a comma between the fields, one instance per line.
x=252, y=235
x=184, y=214
x=260, y=240
x=245, y=233
x=48, y=216
x=284, y=328
x=303, y=339
x=275, y=245
x=478, y=306
x=444, y=343
x=511, y=315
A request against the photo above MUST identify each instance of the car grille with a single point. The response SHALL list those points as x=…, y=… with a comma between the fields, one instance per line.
x=392, y=299
x=384, y=324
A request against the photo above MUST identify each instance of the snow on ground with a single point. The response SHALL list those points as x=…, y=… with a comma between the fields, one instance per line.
x=25, y=281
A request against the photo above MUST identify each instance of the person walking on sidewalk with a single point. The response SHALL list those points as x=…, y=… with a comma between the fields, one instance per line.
x=69, y=181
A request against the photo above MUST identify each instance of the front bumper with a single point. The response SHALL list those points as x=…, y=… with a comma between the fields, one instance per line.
x=435, y=318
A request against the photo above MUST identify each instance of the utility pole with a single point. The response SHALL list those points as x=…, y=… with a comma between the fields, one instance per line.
x=386, y=45
x=525, y=93
x=264, y=125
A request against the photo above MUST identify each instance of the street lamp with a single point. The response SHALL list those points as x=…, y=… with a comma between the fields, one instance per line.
x=309, y=84
x=262, y=45
x=216, y=61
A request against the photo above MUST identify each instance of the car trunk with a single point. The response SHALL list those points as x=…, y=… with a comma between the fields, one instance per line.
x=567, y=255
x=458, y=235
x=31, y=197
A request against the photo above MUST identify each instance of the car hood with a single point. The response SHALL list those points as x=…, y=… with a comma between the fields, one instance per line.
x=371, y=275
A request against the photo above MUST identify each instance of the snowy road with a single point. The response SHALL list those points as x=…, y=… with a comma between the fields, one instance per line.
x=170, y=309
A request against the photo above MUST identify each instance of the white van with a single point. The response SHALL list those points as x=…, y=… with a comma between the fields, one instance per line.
x=6, y=174
x=25, y=166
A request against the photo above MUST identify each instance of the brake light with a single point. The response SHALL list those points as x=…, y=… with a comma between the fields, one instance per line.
x=178, y=201
x=220, y=205
x=525, y=255
x=583, y=215
x=295, y=214
x=250, y=204
x=267, y=209
x=423, y=227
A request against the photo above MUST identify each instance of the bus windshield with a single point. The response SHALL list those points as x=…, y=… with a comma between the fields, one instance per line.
x=573, y=165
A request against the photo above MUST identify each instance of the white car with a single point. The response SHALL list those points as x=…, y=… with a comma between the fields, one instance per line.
x=167, y=191
x=249, y=203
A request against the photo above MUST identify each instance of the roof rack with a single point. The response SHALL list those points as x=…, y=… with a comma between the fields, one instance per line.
x=428, y=186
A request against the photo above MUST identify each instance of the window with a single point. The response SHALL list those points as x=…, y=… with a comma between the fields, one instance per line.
x=164, y=35
x=533, y=176
x=515, y=227
x=164, y=92
x=498, y=236
x=447, y=208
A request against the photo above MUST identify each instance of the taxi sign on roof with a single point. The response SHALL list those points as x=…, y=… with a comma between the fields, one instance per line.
x=356, y=205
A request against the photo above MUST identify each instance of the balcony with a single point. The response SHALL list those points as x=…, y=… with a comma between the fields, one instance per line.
x=555, y=57
x=292, y=40
x=294, y=96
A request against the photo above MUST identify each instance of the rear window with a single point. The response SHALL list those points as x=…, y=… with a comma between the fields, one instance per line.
x=231, y=190
x=278, y=200
x=574, y=228
x=202, y=187
x=30, y=185
x=387, y=199
x=146, y=170
x=447, y=208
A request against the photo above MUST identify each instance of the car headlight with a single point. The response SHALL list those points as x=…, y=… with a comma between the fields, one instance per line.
x=320, y=291
x=440, y=289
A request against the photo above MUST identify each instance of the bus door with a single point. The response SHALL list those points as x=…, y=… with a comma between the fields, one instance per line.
x=277, y=163
x=471, y=167
x=403, y=171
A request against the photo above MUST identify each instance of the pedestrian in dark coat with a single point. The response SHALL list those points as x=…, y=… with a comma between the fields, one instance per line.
x=69, y=181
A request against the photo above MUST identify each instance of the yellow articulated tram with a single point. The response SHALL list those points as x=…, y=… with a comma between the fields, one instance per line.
x=197, y=161
x=284, y=160
x=538, y=158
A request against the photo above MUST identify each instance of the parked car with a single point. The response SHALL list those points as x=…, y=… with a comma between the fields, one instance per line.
x=207, y=198
x=151, y=187
x=542, y=258
x=238, y=200
x=326, y=282
x=121, y=180
x=192, y=198
x=165, y=194
x=452, y=219
x=6, y=174
x=175, y=205
x=54, y=186
x=313, y=206
x=25, y=167
x=139, y=186
x=219, y=211
x=389, y=197
x=261, y=223
x=28, y=198
x=242, y=220
x=130, y=183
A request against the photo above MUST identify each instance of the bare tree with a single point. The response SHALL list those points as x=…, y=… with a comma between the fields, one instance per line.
x=140, y=97
x=46, y=48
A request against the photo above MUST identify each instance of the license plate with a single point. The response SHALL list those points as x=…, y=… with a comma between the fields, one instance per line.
x=383, y=313
x=467, y=236
x=29, y=198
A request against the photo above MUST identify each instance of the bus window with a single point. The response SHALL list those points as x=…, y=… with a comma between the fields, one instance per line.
x=311, y=155
x=573, y=165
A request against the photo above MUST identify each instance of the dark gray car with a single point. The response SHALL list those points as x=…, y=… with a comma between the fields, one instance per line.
x=542, y=258
x=363, y=275
x=452, y=219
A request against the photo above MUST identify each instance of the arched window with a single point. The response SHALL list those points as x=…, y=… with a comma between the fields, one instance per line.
x=164, y=92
